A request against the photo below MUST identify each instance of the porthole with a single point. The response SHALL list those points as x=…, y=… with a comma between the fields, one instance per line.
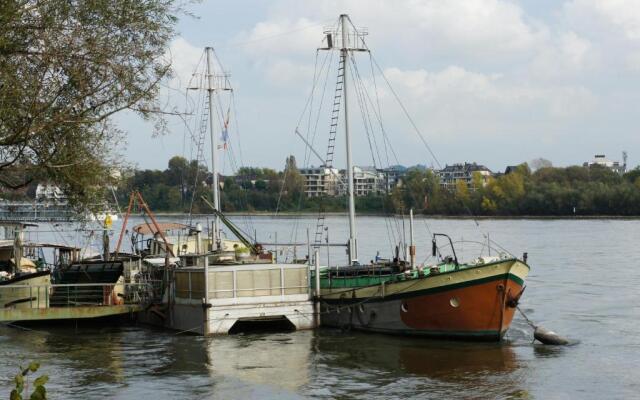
x=404, y=307
x=455, y=302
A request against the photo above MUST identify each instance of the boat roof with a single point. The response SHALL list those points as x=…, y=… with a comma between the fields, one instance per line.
x=51, y=246
x=8, y=222
x=10, y=243
x=146, y=229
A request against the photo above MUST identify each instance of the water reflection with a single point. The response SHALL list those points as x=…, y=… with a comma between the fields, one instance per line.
x=469, y=367
x=281, y=359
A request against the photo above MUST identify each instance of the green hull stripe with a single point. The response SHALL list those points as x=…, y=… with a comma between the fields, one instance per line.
x=417, y=293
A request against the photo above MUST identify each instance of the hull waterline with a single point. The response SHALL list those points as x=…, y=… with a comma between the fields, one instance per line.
x=476, y=303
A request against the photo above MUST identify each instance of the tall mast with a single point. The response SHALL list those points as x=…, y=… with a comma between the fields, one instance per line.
x=214, y=170
x=357, y=35
x=353, y=244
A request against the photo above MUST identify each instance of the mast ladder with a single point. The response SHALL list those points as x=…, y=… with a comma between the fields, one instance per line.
x=333, y=129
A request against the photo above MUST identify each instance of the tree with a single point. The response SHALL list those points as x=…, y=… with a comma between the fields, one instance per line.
x=462, y=191
x=293, y=179
x=540, y=163
x=66, y=66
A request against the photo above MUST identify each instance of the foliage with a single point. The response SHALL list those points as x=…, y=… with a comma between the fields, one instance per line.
x=173, y=189
x=547, y=191
x=22, y=382
x=66, y=66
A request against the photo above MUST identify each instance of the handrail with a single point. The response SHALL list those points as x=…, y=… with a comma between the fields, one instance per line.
x=79, y=294
x=55, y=285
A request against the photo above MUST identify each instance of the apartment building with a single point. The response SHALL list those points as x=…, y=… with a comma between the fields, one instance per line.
x=451, y=174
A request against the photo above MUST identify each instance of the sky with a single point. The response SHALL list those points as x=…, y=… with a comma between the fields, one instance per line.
x=497, y=82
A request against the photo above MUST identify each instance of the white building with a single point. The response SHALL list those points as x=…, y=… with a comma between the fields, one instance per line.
x=451, y=174
x=601, y=160
x=366, y=180
x=320, y=181
x=48, y=193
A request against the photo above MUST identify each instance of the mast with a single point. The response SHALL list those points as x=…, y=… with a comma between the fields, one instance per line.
x=344, y=32
x=214, y=171
x=353, y=244
x=17, y=248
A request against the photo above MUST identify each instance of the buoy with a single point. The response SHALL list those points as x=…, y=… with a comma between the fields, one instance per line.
x=546, y=336
x=543, y=335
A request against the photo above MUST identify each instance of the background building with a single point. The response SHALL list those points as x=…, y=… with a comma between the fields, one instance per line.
x=366, y=181
x=615, y=166
x=48, y=193
x=451, y=174
x=319, y=181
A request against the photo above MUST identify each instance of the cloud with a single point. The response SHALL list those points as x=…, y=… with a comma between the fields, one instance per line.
x=564, y=58
x=458, y=100
x=462, y=30
x=282, y=36
x=286, y=73
x=620, y=16
x=184, y=58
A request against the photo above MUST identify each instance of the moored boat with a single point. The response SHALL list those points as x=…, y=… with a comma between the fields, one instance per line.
x=467, y=301
x=446, y=299
x=25, y=275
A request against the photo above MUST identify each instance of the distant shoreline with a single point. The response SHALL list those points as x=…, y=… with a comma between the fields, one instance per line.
x=422, y=216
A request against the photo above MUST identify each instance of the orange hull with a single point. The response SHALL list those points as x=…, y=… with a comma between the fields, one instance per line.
x=474, y=310
x=474, y=303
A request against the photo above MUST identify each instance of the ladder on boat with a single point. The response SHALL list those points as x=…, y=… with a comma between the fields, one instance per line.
x=333, y=129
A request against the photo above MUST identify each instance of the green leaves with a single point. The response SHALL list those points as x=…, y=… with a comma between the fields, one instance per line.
x=39, y=393
x=21, y=381
x=33, y=366
x=66, y=66
x=41, y=380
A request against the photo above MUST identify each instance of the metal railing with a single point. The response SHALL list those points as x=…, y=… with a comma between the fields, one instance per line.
x=77, y=295
x=192, y=287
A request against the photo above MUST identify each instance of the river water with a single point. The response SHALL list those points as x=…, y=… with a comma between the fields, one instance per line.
x=583, y=284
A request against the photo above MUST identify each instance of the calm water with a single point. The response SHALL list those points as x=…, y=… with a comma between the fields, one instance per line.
x=583, y=284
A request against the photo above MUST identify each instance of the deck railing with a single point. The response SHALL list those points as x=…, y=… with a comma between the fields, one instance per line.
x=242, y=282
x=77, y=295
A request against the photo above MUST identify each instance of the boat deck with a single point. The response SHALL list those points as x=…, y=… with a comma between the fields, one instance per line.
x=73, y=301
x=61, y=313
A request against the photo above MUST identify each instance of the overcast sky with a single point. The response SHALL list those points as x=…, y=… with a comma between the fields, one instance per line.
x=497, y=82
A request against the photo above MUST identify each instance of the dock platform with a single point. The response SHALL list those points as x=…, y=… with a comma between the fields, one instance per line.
x=235, y=295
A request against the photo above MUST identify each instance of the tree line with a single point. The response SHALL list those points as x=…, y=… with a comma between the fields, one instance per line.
x=547, y=191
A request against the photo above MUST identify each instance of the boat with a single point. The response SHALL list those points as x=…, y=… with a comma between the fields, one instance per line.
x=215, y=284
x=473, y=300
x=50, y=282
x=24, y=271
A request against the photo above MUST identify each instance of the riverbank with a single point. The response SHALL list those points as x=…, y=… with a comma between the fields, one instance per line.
x=373, y=214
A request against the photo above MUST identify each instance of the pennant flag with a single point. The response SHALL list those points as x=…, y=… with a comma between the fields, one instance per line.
x=225, y=130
